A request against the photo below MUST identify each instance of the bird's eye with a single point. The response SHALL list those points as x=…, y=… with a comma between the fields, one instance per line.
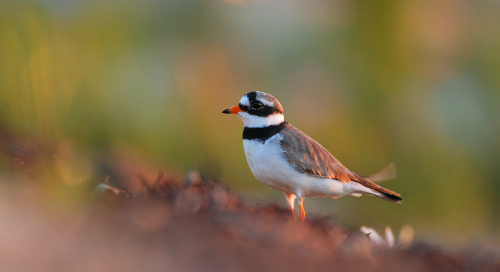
x=256, y=105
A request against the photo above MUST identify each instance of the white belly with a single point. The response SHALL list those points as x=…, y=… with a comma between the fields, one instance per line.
x=269, y=165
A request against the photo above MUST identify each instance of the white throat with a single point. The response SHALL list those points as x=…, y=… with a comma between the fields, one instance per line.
x=253, y=121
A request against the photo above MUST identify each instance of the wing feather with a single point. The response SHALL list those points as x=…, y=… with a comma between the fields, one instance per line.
x=310, y=157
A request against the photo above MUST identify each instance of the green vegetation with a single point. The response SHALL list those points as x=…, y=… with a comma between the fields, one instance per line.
x=142, y=84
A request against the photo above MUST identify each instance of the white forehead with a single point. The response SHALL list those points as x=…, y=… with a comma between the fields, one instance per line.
x=244, y=101
x=260, y=97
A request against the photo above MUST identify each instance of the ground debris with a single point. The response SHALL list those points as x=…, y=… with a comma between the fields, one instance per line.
x=196, y=224
x=206, y=226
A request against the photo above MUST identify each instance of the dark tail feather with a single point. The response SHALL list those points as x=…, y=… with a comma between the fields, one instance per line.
x=390, y=197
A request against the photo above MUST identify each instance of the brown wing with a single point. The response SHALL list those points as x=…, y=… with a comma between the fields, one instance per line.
x=308, y=156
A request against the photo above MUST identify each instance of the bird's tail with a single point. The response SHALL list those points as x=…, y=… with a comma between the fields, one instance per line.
x=390, y=196
x=369, y=187
x=386, y=173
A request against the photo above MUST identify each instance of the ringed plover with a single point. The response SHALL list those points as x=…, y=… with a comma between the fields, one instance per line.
x=286, y=159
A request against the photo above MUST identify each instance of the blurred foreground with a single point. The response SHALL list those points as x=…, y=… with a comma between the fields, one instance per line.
x=197, y=225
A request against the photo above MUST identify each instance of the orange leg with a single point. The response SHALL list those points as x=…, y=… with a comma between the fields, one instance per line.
x=301, y=206
x=290, y=198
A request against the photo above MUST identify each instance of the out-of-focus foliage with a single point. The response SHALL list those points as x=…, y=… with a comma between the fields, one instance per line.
x=411, y=82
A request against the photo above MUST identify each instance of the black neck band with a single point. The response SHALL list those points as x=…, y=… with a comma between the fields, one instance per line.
x=262, y=134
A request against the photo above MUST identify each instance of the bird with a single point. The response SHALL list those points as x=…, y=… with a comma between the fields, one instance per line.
x=286, y=159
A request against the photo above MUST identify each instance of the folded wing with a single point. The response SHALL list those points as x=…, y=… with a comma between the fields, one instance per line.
x=310, y=157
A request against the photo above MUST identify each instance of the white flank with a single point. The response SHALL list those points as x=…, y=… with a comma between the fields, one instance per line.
x=269, y=165
x=253, y=121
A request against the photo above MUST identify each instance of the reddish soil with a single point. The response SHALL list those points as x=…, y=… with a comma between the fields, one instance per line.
x=202, y=226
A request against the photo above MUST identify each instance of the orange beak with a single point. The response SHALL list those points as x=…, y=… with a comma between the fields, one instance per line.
x=232, y=110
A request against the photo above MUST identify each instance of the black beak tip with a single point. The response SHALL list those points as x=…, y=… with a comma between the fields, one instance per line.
x=226, y=111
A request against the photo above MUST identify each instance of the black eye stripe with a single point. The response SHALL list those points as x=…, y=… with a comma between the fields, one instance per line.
x=257, y=105
x=243, y=108
x=263, y=111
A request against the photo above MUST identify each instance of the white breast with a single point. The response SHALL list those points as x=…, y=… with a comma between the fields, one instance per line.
x=269, y=165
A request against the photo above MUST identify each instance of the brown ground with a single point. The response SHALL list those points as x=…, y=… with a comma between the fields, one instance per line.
x=200, y=226
x=170, y=224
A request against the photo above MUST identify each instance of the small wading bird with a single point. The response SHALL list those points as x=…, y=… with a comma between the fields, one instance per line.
x=286, y=159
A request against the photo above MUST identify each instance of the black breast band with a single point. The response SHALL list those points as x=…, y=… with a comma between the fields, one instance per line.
x=262, y=134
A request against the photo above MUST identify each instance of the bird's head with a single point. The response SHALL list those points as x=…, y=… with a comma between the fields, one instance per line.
x=258, y=109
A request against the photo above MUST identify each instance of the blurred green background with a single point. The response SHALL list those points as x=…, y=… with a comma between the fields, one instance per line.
x=412, y=82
